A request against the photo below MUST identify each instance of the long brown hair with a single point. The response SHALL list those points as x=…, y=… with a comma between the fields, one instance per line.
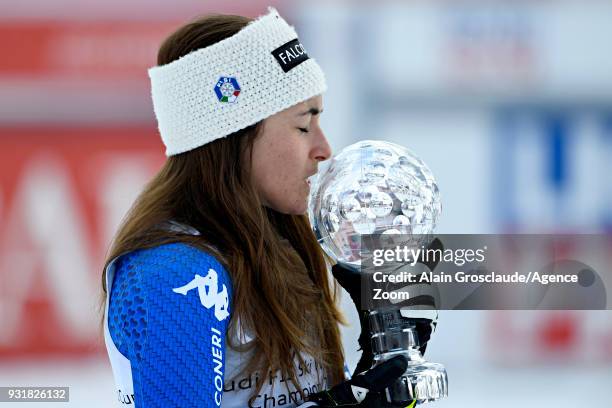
x=282, y=297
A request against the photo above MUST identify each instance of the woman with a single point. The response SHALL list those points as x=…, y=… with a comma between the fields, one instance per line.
x=216, y=287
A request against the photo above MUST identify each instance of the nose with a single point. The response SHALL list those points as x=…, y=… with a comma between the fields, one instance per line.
x=322, y=150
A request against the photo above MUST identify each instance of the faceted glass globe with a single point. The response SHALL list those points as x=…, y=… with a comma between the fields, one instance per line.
x=372, y=187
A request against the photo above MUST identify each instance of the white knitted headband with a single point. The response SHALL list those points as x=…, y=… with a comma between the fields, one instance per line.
x=215, y=91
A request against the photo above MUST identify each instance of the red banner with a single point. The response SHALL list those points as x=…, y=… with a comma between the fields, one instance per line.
x=81, y=49
x=63, y=192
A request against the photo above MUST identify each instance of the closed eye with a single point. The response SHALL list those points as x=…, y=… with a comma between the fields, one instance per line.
x=303, y=130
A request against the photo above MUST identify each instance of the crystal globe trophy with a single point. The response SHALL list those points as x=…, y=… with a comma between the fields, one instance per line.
x=381, y=189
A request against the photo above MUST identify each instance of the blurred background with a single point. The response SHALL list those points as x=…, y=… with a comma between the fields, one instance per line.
x=508, y=102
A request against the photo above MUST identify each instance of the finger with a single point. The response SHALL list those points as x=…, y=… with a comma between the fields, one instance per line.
x=383, y=375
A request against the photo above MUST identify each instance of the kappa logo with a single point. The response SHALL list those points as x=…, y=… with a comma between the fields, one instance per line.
x=227, y=89
x=208, y=291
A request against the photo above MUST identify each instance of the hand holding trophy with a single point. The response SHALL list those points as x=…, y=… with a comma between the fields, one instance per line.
x=380, y=189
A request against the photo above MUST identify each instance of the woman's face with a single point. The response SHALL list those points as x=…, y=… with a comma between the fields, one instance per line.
x=286, y=153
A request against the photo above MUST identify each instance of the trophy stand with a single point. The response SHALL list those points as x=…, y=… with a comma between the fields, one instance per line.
x=394, y=334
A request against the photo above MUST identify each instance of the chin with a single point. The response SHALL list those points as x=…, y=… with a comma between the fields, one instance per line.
x=302, y=207
x=294, y=208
